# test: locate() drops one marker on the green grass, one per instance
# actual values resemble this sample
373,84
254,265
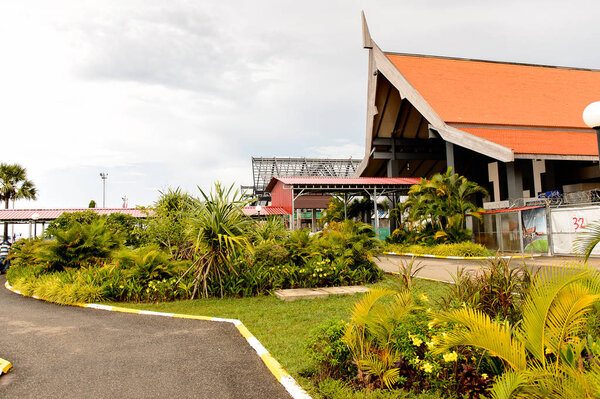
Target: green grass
282,327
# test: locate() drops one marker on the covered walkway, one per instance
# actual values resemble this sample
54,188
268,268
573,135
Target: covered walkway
313,193
35,217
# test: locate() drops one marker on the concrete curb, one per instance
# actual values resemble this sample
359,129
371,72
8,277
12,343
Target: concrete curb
273,365
460,257
5,365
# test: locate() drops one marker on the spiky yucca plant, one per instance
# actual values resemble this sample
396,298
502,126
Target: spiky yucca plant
219,231
542,353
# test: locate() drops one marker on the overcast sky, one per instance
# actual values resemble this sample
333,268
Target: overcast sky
166,93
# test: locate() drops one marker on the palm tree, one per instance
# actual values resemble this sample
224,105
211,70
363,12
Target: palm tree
14,185
219,231
443,202
542,354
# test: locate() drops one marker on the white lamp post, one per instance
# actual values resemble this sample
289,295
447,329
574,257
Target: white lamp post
591,117
258,209
35,218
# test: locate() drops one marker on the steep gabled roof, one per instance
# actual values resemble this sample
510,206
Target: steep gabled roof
498,93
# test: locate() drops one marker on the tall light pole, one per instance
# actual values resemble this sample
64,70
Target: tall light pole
104,176
591,117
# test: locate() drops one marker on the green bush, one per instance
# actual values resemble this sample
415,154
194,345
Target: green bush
336,389
328,351
79,245
465,248
145,263
497,290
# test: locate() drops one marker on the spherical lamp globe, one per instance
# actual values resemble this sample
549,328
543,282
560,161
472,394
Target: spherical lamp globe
591,115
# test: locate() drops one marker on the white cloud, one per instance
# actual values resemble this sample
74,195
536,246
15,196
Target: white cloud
180,93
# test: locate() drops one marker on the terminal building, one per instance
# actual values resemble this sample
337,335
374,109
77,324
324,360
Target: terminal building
515,129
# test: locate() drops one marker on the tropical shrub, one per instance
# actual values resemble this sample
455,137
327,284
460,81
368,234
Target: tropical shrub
219,228
543,354
437,208
145,263
80,245
270,230
497,290
465,248
24,252
167,223
330,354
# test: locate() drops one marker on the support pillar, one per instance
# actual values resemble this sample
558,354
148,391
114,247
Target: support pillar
515,181
292,215
29,229
392,215
539,167
450,156
314,220
376,212
494,178
299,219
345,207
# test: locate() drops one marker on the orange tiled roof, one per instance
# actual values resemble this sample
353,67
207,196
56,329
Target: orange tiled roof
485,92
540,141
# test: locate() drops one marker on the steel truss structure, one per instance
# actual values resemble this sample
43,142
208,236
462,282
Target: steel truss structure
264,169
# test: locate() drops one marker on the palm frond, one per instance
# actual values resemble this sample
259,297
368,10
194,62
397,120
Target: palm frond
480,331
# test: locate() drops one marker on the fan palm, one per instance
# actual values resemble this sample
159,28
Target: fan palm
14,185
218,229
542,353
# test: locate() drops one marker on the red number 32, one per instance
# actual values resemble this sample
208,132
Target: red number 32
578,223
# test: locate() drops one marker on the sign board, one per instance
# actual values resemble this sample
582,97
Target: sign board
568,223
549,194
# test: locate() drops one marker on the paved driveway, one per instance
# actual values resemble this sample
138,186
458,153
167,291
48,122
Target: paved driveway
444,269
70,352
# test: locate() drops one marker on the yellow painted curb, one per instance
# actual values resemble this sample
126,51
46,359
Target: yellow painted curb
458,257
5,365
273,365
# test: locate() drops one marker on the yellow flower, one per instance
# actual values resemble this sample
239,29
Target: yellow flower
314,275
417,360
427,367
450,357
430,344
417,341
484,376
423,297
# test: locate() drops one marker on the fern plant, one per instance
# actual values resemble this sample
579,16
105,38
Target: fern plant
542,353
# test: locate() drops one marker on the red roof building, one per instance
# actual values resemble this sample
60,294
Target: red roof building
516,129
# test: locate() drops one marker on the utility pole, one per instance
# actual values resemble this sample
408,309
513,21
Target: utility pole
104,176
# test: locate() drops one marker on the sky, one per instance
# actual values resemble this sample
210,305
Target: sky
173,93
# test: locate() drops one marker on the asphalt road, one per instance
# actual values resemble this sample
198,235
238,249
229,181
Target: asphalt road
69,352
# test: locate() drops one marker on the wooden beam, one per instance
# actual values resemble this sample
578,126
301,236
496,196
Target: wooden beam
408,155
387,141
366,36
382,113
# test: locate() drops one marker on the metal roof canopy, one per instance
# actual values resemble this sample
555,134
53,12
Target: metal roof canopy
352,186
264,169
355,186
22,216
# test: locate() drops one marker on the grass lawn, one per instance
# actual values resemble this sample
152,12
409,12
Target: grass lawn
282,327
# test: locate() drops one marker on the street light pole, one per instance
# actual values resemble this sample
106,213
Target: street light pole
591,117
104,176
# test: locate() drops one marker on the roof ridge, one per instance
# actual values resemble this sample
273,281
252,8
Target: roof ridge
493,61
